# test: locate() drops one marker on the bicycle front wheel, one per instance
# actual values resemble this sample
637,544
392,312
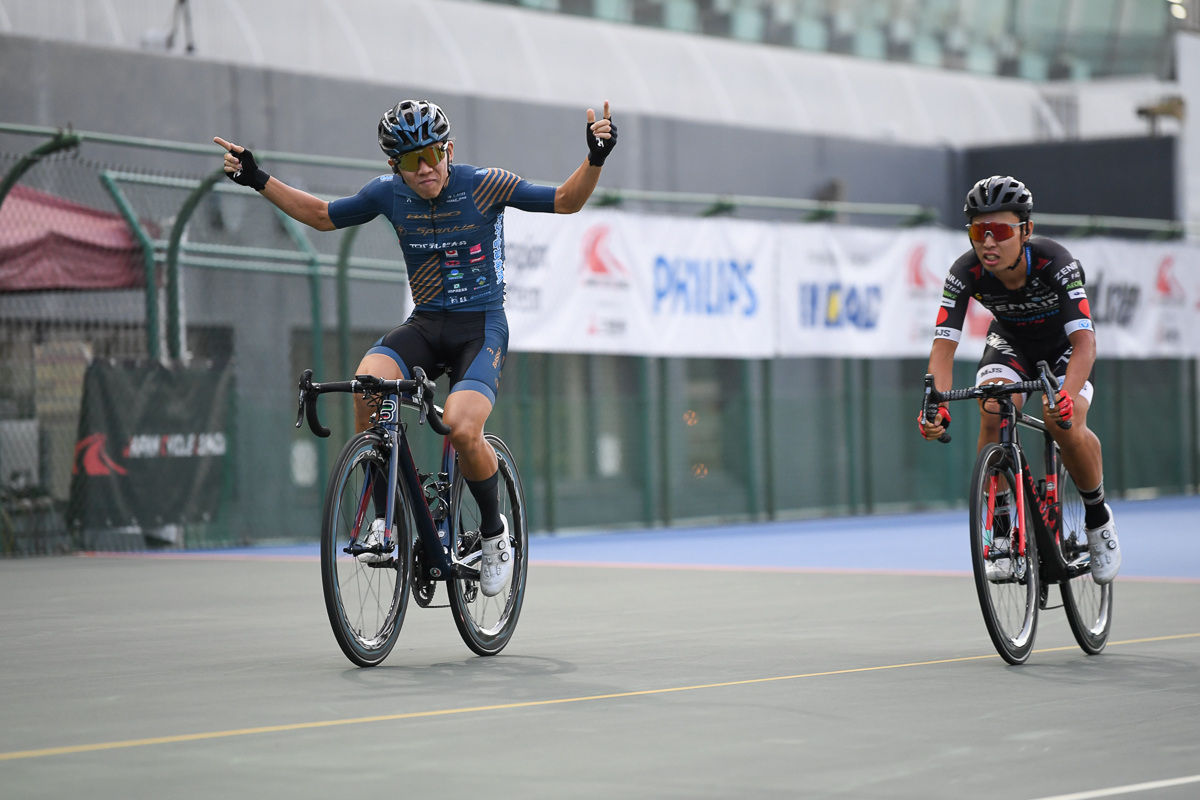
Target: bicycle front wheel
1009,604
1088,605
366,601
487,623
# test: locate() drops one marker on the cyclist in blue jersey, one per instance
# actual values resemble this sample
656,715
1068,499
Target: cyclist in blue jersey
1035,290
449,219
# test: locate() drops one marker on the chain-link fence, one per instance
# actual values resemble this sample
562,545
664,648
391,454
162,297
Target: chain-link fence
601,440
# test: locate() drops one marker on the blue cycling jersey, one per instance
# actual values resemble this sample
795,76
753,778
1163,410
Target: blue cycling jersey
453,245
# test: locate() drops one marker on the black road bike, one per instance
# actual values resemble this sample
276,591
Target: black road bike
433,517
1049,508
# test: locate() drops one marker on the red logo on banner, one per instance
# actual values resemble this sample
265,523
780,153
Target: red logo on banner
599,264
978,319
918,276
1167,285
95,460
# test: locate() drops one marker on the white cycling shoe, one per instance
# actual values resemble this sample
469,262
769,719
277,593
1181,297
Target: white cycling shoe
495,568
377,537
1001,569
1104,550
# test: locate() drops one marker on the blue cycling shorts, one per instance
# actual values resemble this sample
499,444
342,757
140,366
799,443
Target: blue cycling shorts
468,346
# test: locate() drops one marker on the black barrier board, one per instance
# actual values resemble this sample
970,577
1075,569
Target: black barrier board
152,446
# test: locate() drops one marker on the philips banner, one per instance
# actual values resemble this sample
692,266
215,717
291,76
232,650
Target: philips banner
151,446
610,282
614,282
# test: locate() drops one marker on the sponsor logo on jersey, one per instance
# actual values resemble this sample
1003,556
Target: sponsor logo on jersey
451,254
455,274
1077,294
949,302
952,280
478,260
1067,270
453,263
476,249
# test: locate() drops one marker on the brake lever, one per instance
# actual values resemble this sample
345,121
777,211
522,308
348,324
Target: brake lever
305,383
931,406
1049,386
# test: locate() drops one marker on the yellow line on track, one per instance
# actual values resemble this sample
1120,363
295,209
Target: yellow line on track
300,726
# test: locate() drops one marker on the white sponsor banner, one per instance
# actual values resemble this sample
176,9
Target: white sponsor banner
612,282
867,292
615,282
1142,296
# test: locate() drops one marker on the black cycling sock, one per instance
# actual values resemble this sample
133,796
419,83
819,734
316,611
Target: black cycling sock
1002,513
1094,512
379,492
488,499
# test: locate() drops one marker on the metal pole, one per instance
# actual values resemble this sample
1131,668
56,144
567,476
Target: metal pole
647,432
753,439
664,459
343,318
314,302
548,397
147,243
190,203
768,417
61,141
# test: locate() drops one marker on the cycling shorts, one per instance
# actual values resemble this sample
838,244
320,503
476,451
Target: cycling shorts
469,346
1004,357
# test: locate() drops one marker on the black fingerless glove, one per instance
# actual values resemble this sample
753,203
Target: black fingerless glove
250,174
598,149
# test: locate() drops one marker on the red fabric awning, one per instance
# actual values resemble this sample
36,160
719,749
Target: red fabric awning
47,242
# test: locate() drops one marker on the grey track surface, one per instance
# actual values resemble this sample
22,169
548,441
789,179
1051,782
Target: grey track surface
105,650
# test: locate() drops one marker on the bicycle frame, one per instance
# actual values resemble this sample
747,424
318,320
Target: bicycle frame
434,535
1047,522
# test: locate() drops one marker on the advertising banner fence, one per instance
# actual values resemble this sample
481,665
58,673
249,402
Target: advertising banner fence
618,283
151,448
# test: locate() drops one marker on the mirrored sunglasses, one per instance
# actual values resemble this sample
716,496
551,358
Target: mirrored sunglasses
431,155
1000,231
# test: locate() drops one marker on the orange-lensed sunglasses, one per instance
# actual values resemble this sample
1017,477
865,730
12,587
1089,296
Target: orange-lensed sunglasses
1000,231
431,155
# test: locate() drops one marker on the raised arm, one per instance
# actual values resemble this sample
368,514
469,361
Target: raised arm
601,139
299,205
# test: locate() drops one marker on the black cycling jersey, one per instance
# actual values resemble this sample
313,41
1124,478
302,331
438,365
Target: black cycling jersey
1040,315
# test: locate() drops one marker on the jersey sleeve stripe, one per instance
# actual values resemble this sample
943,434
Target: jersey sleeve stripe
491,178
496,191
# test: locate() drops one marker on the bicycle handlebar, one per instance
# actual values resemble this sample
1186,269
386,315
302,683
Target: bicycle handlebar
420,386
1046,382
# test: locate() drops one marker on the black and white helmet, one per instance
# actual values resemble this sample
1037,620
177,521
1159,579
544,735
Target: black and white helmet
999,193
411,125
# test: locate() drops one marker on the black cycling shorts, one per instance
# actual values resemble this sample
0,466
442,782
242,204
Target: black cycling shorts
1009,358
469,346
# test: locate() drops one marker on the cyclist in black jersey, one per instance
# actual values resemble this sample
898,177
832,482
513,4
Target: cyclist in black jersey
449,219
1035,291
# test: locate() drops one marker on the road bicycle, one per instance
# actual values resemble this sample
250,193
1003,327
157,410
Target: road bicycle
432,518
1050,508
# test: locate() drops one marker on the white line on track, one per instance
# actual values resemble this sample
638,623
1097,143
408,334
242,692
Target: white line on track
1130,789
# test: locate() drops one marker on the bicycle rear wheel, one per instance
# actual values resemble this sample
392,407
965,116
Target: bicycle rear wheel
366,601
487,623
1010,607
1088,605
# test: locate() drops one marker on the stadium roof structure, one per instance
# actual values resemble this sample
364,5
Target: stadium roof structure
506,52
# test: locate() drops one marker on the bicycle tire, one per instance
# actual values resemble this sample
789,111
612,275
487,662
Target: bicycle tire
1010,609
486,624
1087,604
366,603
